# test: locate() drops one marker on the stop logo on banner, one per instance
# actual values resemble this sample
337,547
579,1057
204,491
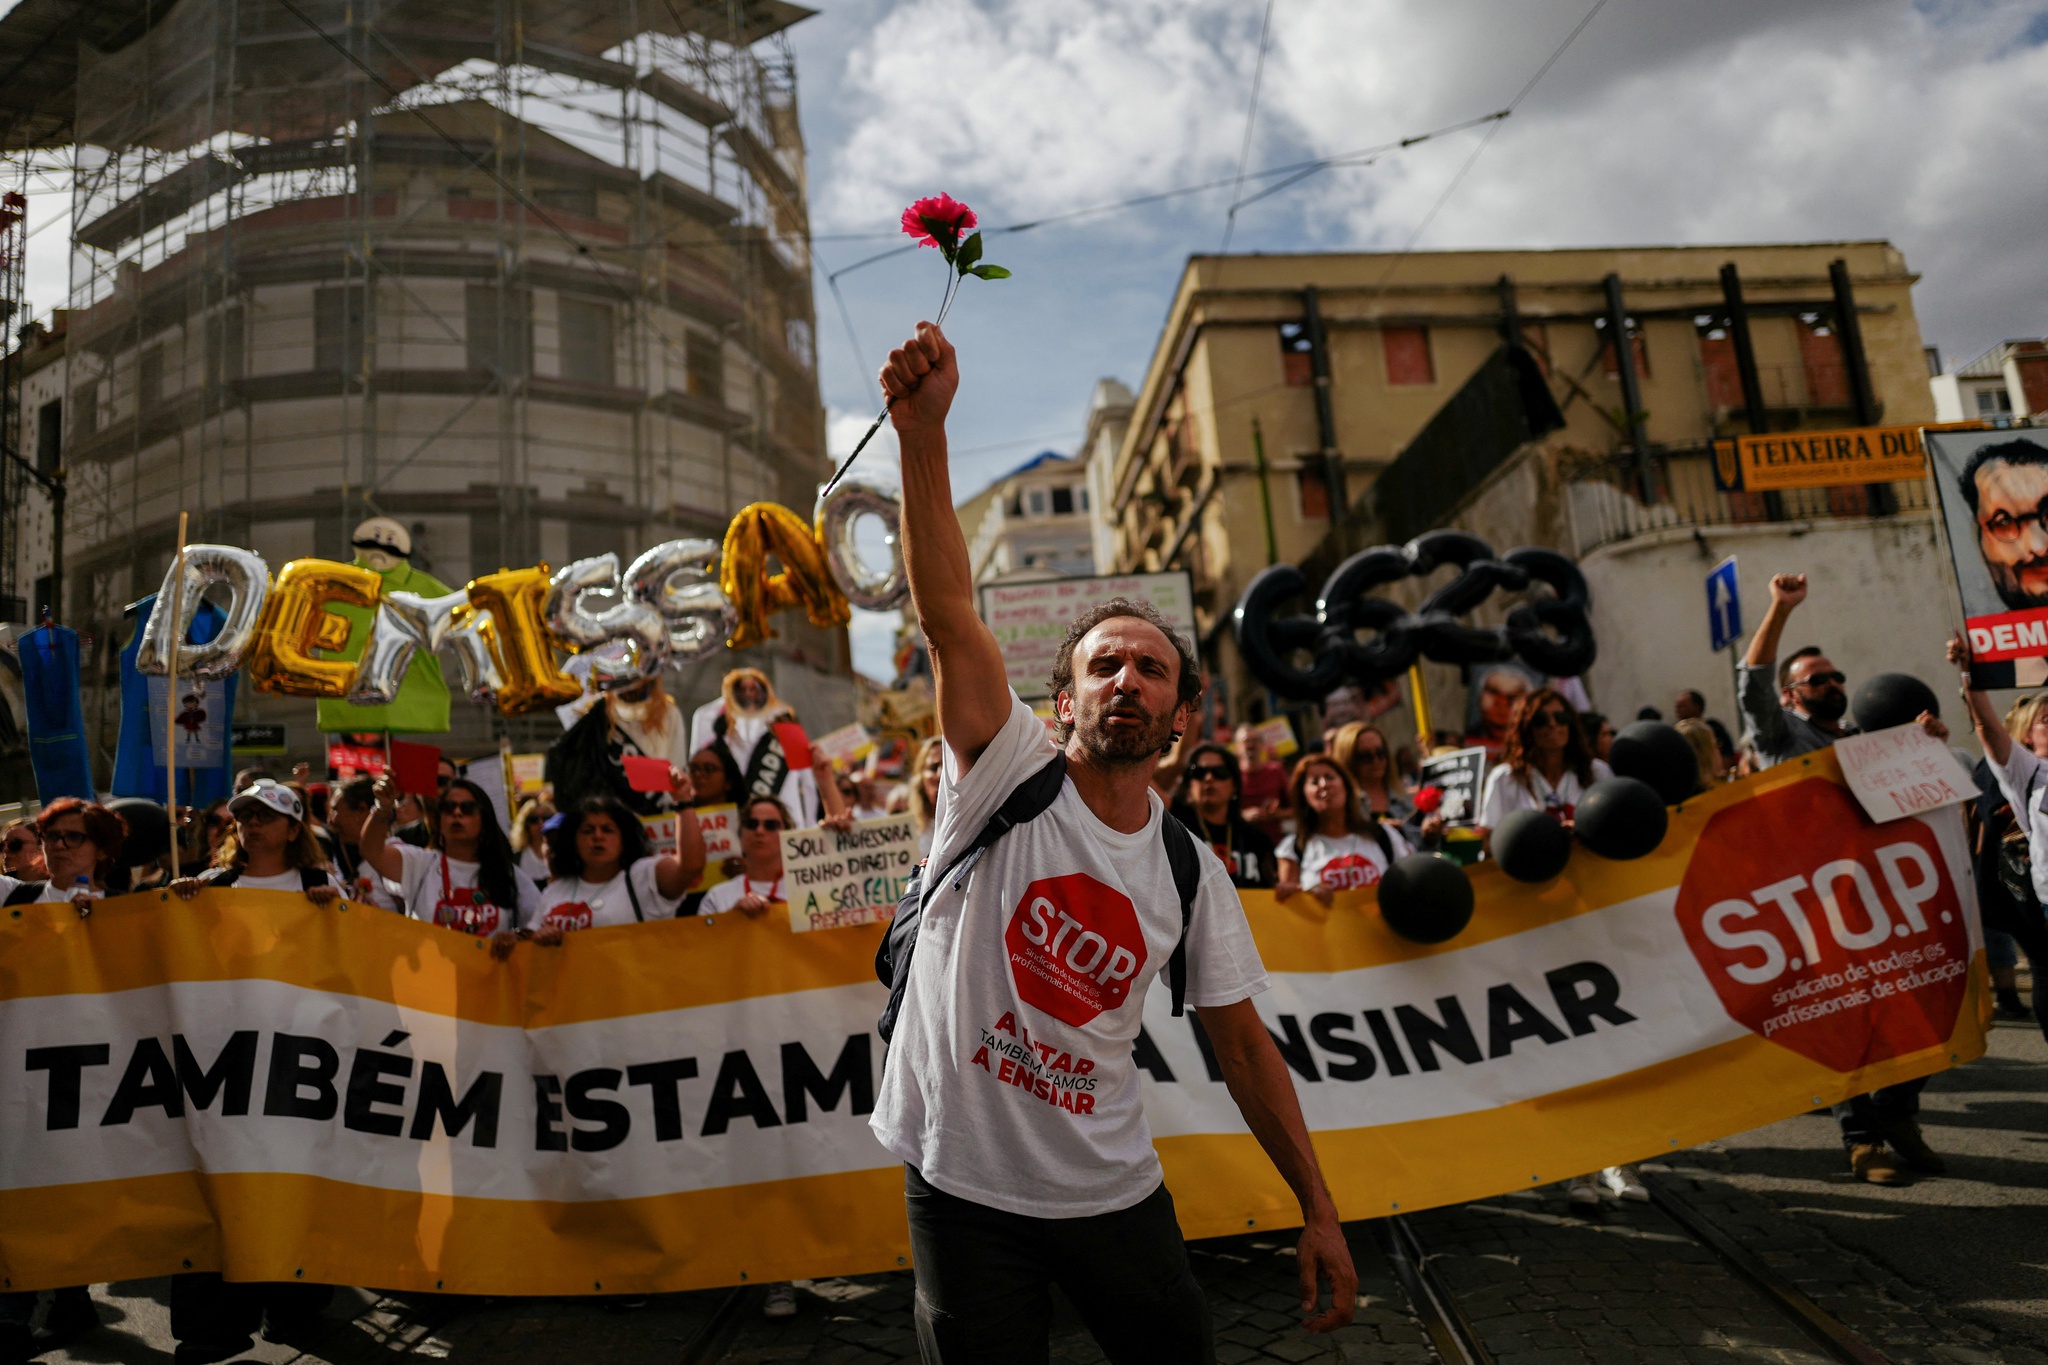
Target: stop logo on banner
1839,939
1074,946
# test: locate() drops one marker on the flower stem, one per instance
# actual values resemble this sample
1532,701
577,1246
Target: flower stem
945,307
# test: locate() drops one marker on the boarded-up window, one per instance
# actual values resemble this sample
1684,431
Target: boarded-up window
1820,355
499,329
50,436
1635,346
1407,350
338,329
1717,364
704,366
586,340
1296,361
1314,493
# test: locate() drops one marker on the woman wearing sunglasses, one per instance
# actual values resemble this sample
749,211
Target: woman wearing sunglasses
1335,845
1546,764
468,878
1363,751
21,852
1209,807
272,848
81,850
759,885
605,874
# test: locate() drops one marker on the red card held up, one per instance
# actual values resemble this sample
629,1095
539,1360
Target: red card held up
416,768
644,774
796,746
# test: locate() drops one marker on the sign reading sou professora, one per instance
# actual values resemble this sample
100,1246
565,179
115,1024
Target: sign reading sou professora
1030,619
835,878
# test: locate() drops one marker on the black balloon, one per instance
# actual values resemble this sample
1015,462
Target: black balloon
1268,643
1653,752
149,830
1621,818
1889,699
1531,846
1425,898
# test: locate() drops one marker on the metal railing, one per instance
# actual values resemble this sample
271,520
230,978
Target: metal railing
1605,507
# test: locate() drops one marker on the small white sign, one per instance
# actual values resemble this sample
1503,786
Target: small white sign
1030,619
833,879
1902,771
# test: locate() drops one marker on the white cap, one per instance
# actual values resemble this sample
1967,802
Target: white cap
382,533
270,794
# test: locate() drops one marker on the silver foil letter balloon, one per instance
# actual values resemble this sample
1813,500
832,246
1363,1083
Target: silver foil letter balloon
247,579
679,579
838,514
629,636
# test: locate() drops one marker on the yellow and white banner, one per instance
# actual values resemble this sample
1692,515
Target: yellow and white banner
250,1083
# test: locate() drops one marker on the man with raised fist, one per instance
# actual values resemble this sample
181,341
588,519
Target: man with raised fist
1010,1091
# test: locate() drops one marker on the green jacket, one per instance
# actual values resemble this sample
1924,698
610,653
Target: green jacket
422,705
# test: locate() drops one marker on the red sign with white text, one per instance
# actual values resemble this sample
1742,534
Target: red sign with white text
1839,939
1074,945
2009,635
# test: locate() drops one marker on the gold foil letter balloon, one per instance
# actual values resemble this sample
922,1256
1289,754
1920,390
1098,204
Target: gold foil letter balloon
296,621
525,655
758,531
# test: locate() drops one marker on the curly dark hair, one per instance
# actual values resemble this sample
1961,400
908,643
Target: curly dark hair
566,860
1578,753
107,830
1062,678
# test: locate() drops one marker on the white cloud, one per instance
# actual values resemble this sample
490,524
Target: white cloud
1667,122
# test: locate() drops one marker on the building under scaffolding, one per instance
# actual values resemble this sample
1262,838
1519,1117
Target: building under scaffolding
531,276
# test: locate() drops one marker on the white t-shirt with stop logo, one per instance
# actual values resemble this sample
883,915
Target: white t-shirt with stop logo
443,890
1009,1081
1344,863
578,904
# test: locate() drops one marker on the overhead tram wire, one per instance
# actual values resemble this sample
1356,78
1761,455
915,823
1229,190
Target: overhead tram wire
1451,188
1251,118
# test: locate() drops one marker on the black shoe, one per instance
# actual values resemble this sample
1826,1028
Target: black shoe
71,1316
2009,1007
207,1352
17,1344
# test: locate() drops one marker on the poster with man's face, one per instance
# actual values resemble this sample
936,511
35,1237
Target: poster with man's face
1993,489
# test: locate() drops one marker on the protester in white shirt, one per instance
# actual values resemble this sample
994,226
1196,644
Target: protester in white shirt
271,848
1546,765
468,878
1335,846
605,874
759,883
926,769
1010,1089
530,840
81,840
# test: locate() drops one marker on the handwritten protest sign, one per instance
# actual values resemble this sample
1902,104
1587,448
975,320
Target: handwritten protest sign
721,829
1902,771
846,746
832,879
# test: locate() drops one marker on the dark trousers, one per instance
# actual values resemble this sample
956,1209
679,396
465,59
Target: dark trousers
209,1311
17,1307
1865,1117
2030,931
984,1281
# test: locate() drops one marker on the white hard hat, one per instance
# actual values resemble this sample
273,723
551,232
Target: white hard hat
382,533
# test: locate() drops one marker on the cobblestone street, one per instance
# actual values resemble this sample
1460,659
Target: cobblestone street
1944,1271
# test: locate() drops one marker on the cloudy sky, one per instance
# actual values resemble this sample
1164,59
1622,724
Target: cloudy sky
1666,121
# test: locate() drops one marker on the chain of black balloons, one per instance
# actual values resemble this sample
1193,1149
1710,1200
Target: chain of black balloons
1551,634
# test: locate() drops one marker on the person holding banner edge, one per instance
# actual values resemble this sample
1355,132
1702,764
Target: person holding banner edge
1803,714
1018,1182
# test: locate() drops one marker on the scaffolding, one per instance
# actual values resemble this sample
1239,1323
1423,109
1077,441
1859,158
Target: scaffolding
532,276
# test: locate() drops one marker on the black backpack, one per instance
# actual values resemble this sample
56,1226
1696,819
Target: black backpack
1031,799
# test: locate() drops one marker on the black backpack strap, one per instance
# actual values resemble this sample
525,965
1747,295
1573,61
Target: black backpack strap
1186,861
1027,801
221,876
25,894
633,896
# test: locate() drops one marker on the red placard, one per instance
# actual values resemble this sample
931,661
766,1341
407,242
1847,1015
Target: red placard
644,774
348,760
416,767
2009,635
796,745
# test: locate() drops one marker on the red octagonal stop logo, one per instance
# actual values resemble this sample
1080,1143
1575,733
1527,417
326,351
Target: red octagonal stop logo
1074,946
1839,939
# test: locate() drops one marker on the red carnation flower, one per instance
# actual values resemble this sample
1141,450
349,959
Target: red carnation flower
1429,799
938,220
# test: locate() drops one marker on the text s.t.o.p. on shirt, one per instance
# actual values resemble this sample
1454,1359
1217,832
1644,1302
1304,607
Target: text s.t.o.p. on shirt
444,891
1009,1080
